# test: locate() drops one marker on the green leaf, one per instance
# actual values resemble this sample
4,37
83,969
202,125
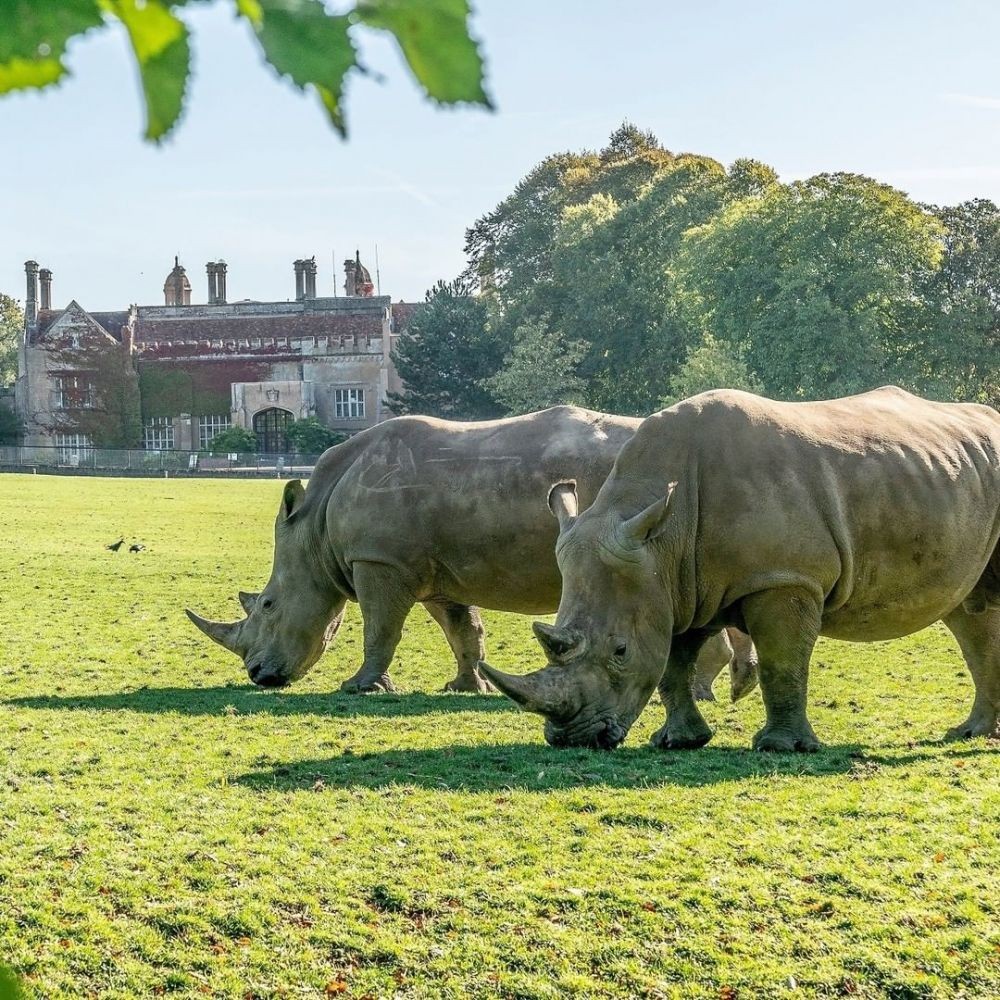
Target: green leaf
160,43
33,39
306,44
434,37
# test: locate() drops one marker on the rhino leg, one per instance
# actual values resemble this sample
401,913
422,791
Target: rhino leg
784,625
978,637
712,660
685,729
385,600
463,628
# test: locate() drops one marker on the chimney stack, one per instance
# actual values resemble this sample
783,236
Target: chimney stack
221,267
31,298
45,278
350,286
309,267
300,280
213,295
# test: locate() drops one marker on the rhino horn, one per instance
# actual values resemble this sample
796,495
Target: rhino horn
542,691
247,601
557,642
224,633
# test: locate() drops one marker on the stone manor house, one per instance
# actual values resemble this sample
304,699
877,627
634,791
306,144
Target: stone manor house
173,376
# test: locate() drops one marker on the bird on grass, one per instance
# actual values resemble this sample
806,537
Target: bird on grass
115,546
136,547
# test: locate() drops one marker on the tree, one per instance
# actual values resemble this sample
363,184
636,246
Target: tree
819,285
446,353
611,262
233,439
311,437
301,40
712,364
539,371
11,325
966,296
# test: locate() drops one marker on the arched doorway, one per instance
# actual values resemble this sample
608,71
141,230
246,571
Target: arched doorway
270,426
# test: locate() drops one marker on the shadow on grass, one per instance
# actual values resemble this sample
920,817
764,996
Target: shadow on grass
536,767
247,700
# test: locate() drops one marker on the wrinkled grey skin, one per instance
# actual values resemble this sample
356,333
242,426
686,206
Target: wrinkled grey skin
417,509
864,518
728,648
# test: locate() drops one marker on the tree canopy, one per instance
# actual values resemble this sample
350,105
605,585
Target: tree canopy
628,276
11,324
448,349
302,41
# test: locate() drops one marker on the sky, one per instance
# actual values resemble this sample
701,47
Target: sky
907,91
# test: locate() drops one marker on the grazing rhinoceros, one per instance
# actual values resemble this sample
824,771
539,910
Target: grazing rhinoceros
416,509
728,648
863,518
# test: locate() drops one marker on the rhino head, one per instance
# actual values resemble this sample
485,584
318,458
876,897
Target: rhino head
289,624
608,647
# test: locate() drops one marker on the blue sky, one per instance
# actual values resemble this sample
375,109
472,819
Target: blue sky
908,92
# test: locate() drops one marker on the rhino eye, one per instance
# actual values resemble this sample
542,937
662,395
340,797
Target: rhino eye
267,604
620,650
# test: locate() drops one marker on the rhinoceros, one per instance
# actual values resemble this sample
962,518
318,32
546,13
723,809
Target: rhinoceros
415,509
863,518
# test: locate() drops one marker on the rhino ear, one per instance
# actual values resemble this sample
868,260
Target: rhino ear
564,503
292,499
649,523
247,601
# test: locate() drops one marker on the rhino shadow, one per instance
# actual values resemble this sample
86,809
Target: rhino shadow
536,767
248,700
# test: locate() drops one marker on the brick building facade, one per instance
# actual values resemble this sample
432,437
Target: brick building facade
172,376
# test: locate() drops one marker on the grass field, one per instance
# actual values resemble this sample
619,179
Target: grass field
166,829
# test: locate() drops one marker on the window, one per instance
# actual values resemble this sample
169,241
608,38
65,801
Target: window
72,447
74,392
349,404
208,427
158,434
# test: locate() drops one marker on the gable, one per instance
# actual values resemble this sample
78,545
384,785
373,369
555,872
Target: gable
74,327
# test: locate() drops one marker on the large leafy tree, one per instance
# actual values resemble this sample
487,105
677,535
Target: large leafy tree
302,40
11,325
966,295
819,285
539,371
448,350
611,261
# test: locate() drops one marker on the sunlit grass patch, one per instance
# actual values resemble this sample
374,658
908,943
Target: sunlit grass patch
168,829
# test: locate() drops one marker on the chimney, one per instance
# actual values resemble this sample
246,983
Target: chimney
310,271
213,295
221,267
300,282
350,286
31,298
45,278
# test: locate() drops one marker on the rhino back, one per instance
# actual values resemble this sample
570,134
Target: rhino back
460,508
885,504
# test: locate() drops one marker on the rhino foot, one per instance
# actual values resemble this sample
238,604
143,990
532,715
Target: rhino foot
975,725
367,684
669,737
471,683
786,741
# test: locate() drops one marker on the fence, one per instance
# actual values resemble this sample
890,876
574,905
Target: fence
128,462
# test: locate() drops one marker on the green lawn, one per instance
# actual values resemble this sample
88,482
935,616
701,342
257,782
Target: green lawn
167,829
